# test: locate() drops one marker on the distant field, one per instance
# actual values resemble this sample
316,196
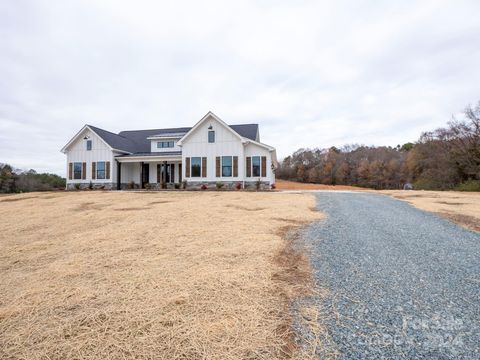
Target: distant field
149,275
460,207
292,185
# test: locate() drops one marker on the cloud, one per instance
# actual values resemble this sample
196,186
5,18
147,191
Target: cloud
311,73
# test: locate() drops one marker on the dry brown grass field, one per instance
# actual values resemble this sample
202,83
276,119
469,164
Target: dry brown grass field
197,275
460,207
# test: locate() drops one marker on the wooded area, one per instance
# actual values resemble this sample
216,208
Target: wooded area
442,159
12,180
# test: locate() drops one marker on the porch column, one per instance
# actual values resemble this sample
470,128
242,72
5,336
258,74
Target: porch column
165,172
141,175
119,175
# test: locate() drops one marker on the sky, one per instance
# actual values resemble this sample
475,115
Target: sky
310,73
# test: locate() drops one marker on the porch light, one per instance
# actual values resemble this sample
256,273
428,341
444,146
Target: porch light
210,127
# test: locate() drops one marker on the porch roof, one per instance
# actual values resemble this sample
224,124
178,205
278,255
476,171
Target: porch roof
151,156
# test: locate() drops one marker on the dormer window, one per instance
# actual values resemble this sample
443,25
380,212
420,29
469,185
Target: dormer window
165,144
89,145
211,136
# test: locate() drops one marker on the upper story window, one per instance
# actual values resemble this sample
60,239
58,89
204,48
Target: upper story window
89,145
165,144
211,136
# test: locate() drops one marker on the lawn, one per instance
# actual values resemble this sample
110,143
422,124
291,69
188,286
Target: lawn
150,275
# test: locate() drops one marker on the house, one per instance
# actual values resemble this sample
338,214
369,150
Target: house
209,152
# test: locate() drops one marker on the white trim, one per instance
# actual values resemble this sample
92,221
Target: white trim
274,159
64,149
265,146
161,137
122,151
149,158
205,118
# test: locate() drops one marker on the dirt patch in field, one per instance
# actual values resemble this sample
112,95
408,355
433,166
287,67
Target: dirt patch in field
133,208
17,198
462,208
293,185
159,202
294,270
192,280
469,222
450,203
282,231
240,207
87,206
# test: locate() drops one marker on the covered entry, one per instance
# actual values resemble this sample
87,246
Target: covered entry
169,173
148,171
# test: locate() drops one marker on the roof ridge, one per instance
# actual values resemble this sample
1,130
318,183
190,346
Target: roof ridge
110,132
180,127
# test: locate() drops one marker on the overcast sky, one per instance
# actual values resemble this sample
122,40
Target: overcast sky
311,73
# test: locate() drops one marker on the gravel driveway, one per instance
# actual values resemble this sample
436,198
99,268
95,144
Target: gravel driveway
402,282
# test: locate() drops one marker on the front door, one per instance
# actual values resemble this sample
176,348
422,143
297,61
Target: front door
145,174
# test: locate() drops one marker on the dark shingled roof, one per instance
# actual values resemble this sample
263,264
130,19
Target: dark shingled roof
116,141
139,137
135,141
248,131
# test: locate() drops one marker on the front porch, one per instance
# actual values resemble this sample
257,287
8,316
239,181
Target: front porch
152,172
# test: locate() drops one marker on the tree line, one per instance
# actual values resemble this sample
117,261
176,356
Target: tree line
12,180
443,159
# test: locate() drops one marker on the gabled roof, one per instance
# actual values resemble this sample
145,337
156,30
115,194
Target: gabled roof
248,131
116,141
136,141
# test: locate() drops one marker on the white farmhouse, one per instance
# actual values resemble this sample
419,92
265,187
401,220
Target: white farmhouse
207,153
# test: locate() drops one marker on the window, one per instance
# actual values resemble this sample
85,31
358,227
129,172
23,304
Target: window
100,169
89,144
165,144
196,166
255,165
77,171
211,136
226,166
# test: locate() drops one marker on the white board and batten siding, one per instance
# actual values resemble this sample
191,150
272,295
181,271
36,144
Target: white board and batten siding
251,150
131,172
77,152
227,143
